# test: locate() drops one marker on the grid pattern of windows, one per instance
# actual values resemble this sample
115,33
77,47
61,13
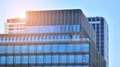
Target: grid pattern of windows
45,48
55,54
41,38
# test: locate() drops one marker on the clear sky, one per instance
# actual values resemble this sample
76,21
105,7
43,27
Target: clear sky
110,9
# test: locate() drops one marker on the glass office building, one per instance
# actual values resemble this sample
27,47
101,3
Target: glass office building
53,38
100,26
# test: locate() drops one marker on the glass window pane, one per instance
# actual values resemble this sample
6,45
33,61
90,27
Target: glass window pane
47,48
32,59
24,49
17,49
78,58
32,48
17,59
55,58
9,49
85,58
63,59
71,58
47,59
70,48
54,48
85,47
3,59
39,59
62,48
9,59
25,59
39,48
77,48
2,49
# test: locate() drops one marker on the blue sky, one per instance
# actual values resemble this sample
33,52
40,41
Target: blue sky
106,8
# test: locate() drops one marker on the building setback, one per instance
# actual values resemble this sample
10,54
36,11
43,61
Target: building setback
53,38
100,26
15,25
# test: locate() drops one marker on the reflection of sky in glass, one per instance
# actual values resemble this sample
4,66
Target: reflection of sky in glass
107,8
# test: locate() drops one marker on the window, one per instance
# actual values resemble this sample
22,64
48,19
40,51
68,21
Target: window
9,59
55,58
85,47
77,48
24,49
78,28
9,49
2,49
70,48
40,59
2,59
39,48
32,48
78,58
47,48
62,47
85,58
54,48
71,59
17,49
25,59
32,59
47,59
63,59
17,59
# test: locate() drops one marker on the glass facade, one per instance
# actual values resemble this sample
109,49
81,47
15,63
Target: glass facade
101,28
60,38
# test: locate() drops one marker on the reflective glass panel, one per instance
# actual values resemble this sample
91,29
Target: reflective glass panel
9,59
17,59
47,59
25,59
40,59
55,58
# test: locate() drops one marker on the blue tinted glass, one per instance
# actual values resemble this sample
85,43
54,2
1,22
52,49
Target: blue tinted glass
63,59
47,48
32,59
59,37
25,59
70,48
24,49
74,28
9,59
71,58
70,28
85,47
2,59
66,28
77,48
39,48
62,48
32,48
17,59
47,59
40,59
85,58
17,49
66,37
78,28
55,58
9,49
54,48
2,49
78,58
